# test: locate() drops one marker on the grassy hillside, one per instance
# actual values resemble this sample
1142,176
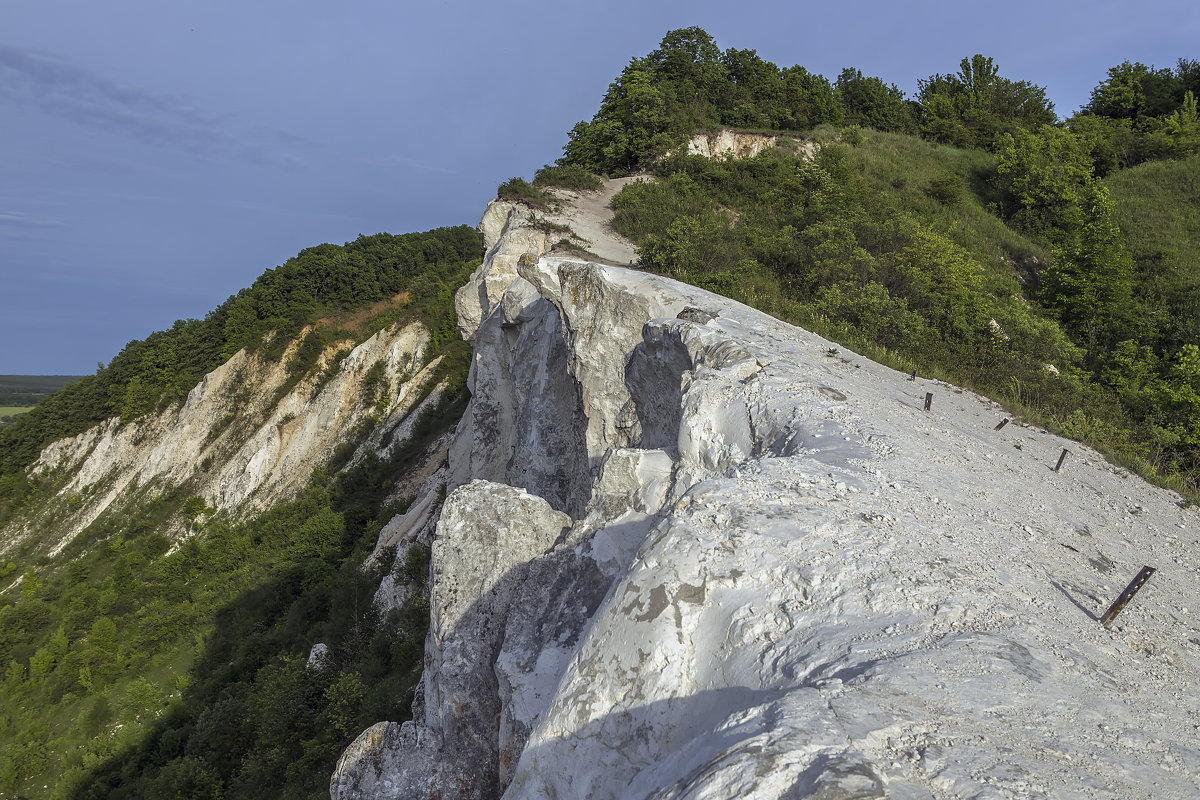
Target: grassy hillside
134,666
1005,263
902,248
1158,209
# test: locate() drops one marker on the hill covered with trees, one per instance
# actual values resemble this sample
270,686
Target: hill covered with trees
138,665
321,281
966,232
1137,113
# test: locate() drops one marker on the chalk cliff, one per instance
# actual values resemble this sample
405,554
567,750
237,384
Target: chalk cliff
736,144
689,551
247,436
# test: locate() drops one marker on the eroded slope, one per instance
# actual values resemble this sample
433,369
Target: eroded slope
735,561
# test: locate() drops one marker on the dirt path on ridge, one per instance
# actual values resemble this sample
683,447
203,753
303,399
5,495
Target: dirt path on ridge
590,216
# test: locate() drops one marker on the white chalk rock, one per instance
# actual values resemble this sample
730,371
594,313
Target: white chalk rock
784,578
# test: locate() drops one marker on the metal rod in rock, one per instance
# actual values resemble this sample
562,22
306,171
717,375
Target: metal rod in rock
1003,422
1123,599
928,400
1061,459
913,377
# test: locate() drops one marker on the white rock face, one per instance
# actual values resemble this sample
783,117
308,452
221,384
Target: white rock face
507,236
726,143
242,444
318,656
487,536
716,557
729,143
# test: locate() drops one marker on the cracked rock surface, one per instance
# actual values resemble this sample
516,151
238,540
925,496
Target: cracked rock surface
698,553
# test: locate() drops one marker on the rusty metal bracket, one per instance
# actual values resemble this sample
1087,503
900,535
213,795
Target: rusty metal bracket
1123,599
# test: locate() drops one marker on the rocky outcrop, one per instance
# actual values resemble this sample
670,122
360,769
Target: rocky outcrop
488,536
695,552
242,440
727,143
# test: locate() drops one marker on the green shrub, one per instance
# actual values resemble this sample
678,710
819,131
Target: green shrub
519,190
947,189
571,176
852,135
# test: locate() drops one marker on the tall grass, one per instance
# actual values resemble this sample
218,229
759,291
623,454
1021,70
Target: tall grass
824,246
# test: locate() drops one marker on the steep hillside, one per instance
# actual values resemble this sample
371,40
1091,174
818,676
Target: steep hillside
174,563
246,437
697,552
1158,208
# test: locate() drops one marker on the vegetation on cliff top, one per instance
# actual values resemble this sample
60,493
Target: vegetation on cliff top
688,84
1007,261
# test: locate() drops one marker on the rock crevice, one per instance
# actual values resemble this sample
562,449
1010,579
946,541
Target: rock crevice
695,552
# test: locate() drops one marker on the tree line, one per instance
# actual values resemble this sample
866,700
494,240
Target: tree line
1137,113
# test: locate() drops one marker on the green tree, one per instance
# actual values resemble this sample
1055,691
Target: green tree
1111,144
809,100
1134,91
343,697
45,658
1044,173
632,125
186,778
1183,127
974,107
1176,397
942,283
1090,277
871,103
689,62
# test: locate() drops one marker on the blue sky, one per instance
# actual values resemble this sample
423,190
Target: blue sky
159,156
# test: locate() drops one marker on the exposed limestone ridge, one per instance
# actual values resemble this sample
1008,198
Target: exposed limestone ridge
241,444
726,143
714,556
488,535
508,235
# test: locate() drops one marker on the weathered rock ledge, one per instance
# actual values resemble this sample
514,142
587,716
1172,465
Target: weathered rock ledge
244,438
694,552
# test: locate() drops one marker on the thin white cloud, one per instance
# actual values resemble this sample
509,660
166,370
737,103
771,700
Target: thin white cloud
23,220
55,86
